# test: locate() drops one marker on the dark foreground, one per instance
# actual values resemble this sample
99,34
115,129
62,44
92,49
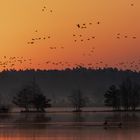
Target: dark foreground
70,126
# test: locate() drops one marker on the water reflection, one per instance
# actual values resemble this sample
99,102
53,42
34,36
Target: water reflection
70,134
4,118
130,119
37,126
124,117
78,117
47,118
32,120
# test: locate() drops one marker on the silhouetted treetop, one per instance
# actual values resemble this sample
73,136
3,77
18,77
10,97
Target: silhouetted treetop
31,96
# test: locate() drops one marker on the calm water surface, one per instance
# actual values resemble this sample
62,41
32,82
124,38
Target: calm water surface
69,126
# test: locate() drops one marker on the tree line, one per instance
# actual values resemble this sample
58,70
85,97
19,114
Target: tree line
31,98
125,96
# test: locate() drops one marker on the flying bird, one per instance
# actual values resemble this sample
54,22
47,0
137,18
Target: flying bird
78,25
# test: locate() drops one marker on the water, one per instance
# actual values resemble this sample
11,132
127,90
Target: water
70,134
69,126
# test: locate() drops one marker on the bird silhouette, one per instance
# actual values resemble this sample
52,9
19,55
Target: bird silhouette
78,25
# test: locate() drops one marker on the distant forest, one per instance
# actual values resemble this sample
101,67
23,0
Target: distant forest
57,85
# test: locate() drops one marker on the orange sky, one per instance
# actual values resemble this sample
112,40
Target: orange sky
19,20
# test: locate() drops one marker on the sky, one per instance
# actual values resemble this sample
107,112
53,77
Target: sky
56,34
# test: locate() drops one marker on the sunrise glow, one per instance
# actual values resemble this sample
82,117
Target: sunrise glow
52,34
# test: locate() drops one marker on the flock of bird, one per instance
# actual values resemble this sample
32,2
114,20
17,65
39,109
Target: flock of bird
130,65
44,9
36,39
85,25
81,38
119,36
90,52
11,62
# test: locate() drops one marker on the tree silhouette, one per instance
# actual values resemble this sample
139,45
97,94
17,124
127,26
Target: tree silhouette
126,89
78,100
24,98
40,102
127,96
135,99
112,98
31,96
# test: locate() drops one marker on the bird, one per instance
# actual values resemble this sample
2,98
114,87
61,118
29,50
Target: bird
32,42
78,25
83,27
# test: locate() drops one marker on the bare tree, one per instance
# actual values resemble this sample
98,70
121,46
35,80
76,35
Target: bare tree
112,98
135,99
78,100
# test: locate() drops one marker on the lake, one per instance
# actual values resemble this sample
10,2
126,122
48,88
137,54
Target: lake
70,126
